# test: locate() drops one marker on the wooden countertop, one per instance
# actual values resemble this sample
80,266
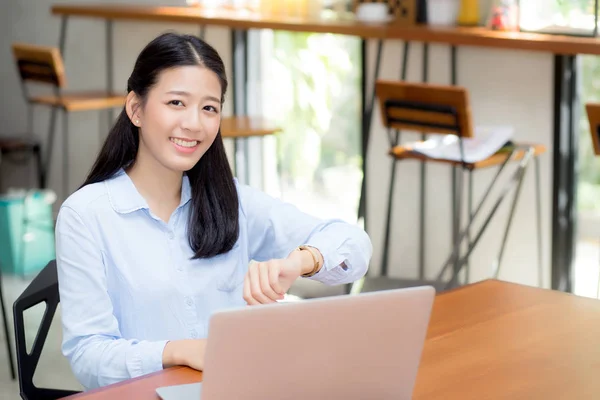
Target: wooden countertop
459,36
244,126
497,340
490,340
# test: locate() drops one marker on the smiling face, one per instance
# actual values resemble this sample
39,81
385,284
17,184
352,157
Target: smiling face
180,118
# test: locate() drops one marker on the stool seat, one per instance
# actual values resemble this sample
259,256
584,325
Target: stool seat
244,126
9,144
82,101
406,152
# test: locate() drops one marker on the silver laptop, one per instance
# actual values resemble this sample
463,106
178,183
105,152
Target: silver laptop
365,346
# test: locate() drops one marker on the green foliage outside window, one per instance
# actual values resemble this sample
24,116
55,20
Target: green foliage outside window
316,100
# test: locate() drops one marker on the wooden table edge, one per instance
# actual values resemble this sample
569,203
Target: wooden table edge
495,281
128,382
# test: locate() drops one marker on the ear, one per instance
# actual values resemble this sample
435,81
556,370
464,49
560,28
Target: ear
133,106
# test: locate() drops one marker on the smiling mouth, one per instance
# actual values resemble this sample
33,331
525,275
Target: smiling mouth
184,143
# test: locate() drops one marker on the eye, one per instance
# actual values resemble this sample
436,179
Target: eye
211,109
177,103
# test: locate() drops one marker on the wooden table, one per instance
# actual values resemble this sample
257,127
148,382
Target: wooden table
245,127
489,340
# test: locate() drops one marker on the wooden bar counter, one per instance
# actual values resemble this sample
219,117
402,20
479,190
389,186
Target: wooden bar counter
458,36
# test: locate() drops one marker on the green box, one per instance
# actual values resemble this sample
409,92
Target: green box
26,232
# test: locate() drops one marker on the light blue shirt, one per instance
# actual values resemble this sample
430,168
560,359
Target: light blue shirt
128,284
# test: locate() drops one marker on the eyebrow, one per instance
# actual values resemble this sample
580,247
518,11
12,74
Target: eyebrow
184,93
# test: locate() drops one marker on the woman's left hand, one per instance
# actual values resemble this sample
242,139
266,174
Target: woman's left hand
267,282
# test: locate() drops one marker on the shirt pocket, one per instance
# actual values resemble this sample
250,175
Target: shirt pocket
232,270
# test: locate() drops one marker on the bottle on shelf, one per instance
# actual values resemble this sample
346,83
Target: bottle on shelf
291,8
469,13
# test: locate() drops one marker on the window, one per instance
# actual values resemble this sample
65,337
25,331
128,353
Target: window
577,17
558,16
311,88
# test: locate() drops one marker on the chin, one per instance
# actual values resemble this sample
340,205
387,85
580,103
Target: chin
181,165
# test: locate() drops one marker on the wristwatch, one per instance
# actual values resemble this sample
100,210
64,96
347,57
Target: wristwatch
315,257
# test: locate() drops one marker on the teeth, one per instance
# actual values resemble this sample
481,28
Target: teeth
184,143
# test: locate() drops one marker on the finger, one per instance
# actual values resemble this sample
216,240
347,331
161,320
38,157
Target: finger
274,281
265,284
247,292
255,289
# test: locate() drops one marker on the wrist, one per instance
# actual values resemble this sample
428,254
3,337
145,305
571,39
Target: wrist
171,354
175,353
309,258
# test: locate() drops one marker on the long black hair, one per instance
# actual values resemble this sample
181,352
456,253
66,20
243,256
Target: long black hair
213,225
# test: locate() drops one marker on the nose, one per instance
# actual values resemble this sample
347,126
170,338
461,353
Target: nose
191,120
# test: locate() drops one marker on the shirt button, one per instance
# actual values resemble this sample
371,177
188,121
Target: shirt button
189,301
194,333
171,235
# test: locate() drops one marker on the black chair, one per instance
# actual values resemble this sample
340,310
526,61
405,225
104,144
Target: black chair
5,321
43,289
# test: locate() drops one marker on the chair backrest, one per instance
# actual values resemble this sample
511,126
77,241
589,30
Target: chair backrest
39,64
43,289
593,112
427,108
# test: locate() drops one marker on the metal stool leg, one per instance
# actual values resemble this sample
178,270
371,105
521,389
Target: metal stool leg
538,201
388,222
47,160
8,344
457,189
470,205
516,180
394,140
65,166
508,225
39,167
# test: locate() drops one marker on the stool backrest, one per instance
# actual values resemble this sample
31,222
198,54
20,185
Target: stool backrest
593,112
427,108
39,64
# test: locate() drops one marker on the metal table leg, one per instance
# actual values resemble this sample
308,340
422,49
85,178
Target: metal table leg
564,187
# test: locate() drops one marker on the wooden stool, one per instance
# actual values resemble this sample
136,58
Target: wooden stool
445,110
244,127
593,113
44,65
12,146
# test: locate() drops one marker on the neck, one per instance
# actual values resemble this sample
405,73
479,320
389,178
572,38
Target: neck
157,184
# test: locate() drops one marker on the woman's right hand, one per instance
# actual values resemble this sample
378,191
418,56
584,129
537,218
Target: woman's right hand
188,352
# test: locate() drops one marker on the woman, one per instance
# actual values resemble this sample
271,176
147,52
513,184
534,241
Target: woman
160,235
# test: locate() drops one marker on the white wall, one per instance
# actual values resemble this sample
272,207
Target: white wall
505,87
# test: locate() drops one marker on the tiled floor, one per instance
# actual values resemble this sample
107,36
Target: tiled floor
54,371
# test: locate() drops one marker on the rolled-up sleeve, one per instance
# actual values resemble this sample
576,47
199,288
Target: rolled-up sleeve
92,341
276,228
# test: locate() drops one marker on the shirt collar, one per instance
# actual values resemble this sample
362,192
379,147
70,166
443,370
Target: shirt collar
125,198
